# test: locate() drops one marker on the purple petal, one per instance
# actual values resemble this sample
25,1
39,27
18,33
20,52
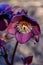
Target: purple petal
11,28
4,7
36,30
23,38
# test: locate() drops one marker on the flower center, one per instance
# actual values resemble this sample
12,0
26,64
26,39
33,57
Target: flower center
24,27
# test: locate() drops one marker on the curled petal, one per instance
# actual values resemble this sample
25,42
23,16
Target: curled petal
36,38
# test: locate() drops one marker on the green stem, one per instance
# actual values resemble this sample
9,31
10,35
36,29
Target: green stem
13,56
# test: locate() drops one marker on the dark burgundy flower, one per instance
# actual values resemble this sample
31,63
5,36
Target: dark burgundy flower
27,60
5,15
24,27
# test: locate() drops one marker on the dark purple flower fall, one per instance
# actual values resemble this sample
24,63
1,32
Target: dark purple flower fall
24,28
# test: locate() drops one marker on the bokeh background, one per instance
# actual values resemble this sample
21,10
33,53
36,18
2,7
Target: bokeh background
35,9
